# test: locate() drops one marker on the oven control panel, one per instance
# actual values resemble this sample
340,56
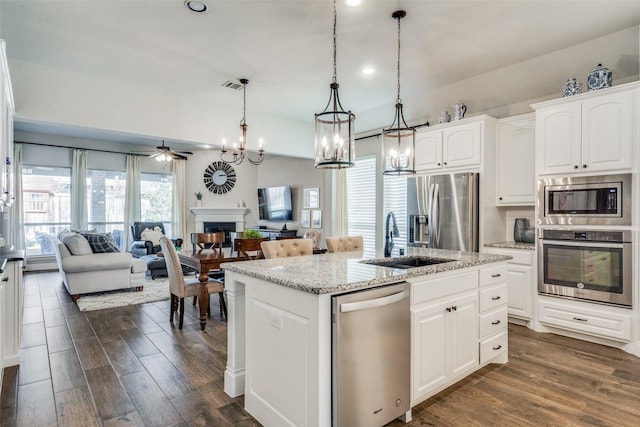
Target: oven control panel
588,235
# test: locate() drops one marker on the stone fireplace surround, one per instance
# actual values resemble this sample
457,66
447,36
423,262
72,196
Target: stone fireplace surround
220,218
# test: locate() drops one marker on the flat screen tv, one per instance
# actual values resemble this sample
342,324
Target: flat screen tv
274,203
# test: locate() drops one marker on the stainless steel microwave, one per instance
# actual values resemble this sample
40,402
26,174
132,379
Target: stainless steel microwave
585,200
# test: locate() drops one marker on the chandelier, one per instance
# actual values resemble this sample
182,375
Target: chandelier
334,133
399,140
239,154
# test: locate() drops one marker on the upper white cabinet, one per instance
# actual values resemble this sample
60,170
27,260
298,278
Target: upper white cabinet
516,185
7,109
591,133
456,145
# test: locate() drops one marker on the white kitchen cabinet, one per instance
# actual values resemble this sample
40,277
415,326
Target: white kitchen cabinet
592,132
516,184
521,281
444,342
12,312
492,309
7,108
454,145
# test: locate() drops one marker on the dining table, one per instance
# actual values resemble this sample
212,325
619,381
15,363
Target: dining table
204,261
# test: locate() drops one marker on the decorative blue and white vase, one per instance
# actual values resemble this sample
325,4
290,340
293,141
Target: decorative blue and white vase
571,87
599,78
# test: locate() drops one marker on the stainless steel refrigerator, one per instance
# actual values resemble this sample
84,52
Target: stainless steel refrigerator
443,211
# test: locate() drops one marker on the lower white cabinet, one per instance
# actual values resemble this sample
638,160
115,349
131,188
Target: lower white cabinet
602,321
458,324
12,301
444,342
521,281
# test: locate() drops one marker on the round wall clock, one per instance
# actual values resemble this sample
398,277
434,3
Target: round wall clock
219,177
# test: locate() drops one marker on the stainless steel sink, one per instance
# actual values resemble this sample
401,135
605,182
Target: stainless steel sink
409,262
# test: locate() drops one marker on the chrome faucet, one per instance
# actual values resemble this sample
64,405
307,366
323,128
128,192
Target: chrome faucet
390,234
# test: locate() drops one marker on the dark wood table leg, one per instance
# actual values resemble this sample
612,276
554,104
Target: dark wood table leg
203,299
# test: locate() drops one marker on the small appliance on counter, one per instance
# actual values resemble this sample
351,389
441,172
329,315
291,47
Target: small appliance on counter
522,232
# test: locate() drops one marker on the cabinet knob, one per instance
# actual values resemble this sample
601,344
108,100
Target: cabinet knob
454,308
439,164
449,309
584,166
499,198
445,163
575,166
5,279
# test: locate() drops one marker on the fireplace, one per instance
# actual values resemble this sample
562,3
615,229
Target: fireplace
227,227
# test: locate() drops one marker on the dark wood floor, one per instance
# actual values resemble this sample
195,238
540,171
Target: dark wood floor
130,366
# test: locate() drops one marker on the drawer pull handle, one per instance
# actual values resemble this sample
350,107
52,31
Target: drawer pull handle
495,298
497,322
449,309
496,275
498,347
454,308
5,279
580,319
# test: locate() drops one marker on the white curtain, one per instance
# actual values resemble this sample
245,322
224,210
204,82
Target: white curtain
16,213
179,205
132,210
341,220
79,209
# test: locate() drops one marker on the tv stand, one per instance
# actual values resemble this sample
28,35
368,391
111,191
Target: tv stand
273,233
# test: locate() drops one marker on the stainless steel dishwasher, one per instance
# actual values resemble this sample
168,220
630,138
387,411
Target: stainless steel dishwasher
371,336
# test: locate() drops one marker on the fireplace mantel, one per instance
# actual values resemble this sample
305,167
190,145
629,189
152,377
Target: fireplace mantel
218,215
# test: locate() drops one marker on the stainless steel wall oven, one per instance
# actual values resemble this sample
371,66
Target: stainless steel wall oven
585,200
593,265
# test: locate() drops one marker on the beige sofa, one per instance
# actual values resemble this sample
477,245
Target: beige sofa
96,272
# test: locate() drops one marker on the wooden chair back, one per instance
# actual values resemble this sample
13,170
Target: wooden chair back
213,241
249,248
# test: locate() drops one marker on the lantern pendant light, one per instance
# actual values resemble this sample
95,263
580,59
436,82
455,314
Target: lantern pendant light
334,133
399,140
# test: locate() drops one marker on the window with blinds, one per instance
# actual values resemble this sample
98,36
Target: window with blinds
361,211
395,200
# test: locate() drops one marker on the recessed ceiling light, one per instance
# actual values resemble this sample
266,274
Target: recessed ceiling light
367,71
197,6
354,3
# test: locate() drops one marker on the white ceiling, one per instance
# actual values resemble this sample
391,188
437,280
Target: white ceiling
284,48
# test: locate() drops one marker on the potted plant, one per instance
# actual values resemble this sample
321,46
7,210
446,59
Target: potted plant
250,242
198,199
250,233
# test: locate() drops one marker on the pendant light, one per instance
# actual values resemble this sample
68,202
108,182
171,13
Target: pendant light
335,140
238,155
399,140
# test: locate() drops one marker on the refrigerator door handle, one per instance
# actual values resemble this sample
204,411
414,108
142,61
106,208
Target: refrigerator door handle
436,215
432,232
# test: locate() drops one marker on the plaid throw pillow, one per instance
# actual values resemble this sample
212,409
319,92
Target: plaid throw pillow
101,243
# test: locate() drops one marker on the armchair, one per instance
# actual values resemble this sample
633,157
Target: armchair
140,246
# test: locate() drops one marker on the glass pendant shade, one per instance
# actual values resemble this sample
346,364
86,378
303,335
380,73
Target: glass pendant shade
335,139
334,132
399,140
398,146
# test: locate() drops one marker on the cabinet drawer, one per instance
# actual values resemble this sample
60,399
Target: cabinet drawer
492,297
607,322
428,290
489,276
493,347
493,322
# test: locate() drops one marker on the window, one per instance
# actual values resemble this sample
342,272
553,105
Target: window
46,204
361,193
395,200
155,198
105,201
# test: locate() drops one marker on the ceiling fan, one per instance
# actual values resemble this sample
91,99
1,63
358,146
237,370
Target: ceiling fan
164,153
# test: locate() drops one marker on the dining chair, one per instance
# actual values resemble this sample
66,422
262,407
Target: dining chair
181,287
213,241
315,236
249,248
287,248
344,244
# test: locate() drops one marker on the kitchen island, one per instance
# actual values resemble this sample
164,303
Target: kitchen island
279,326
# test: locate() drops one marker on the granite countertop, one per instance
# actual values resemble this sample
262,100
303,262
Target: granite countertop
339,272
512,245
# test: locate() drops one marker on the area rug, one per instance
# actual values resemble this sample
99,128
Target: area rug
154,290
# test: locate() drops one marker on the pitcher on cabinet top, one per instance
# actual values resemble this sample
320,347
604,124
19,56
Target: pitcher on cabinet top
459,111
